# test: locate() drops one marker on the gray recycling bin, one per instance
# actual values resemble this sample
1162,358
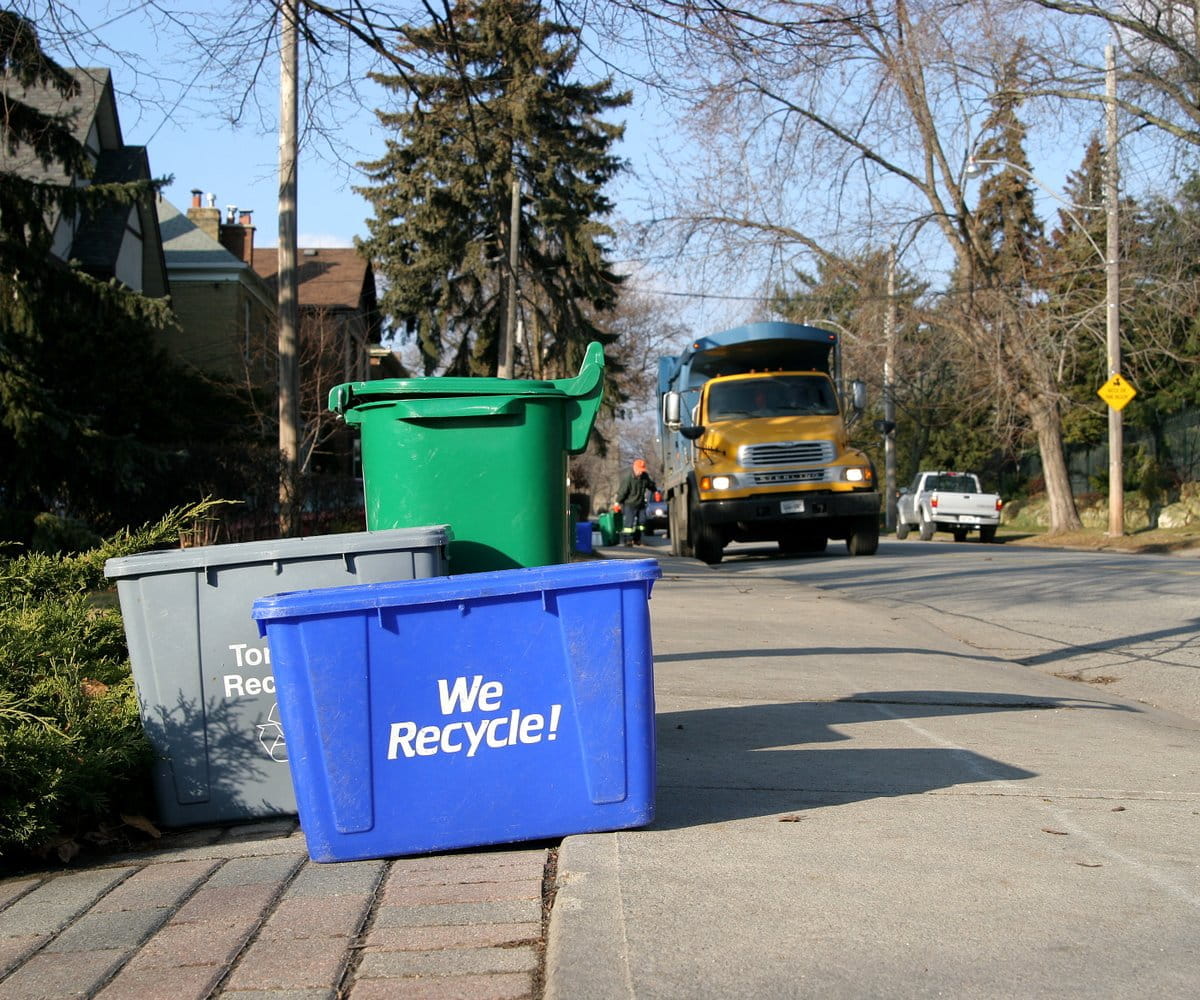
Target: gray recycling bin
203,674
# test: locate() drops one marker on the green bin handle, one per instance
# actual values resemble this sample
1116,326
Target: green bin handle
445,407
584,392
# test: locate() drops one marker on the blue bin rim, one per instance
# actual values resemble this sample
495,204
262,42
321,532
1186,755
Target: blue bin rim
447,589
201,557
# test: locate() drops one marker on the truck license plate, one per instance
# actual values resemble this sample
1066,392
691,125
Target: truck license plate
791,507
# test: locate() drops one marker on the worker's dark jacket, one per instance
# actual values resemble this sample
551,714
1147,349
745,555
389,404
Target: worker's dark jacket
635,491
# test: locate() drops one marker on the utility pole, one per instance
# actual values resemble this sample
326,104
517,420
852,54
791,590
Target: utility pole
507,344
289,337
1116,444
889,395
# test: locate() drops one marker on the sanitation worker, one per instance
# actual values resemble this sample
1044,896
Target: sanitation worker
636,486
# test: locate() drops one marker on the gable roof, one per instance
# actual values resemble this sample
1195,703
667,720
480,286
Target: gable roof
94,105
98,241
329,277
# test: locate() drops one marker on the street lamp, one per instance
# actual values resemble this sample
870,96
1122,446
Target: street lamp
888,425
838,377
1116,459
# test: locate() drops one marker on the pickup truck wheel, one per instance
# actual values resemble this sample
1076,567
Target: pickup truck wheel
927,528
987,533
960,534
901,530
864,537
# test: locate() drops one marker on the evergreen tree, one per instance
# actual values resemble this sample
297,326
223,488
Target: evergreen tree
1001,292
94,422
939,423
493,102
1076,304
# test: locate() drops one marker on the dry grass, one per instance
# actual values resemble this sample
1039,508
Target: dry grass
1159,541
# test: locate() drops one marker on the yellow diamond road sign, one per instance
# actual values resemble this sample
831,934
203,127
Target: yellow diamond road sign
1116,392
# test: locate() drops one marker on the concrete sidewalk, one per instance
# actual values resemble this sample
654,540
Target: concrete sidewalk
852,804
849,805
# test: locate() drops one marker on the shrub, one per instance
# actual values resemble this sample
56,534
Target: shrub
73,757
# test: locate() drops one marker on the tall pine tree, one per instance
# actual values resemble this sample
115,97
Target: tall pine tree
1076,304
492,102
1002,292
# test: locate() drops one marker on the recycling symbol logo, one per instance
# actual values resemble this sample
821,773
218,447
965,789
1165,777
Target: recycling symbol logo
270,735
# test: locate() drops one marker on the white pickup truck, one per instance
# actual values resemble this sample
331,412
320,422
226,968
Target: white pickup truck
947,501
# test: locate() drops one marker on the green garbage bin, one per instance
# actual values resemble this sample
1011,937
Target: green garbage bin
611,524
488,455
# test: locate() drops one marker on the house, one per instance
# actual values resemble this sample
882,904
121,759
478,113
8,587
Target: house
340,330
225,310
338,307
121,242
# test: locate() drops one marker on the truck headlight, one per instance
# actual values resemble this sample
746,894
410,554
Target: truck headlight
857,474
722,482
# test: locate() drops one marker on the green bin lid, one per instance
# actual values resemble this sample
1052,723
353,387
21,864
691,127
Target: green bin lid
349,395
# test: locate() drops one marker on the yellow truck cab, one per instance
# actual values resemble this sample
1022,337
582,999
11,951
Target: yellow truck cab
755,445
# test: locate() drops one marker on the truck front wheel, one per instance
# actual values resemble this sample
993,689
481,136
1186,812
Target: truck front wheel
705,539
864,537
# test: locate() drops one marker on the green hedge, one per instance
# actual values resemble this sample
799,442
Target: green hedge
73,757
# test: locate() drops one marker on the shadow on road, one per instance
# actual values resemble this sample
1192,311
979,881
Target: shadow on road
740,762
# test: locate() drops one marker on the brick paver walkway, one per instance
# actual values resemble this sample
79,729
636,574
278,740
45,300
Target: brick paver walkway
241,913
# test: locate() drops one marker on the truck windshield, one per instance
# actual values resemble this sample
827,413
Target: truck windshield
776,396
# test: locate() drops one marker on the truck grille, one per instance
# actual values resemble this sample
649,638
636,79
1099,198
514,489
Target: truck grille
789,477
786,453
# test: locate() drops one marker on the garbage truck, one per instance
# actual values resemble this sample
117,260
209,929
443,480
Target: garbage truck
755,444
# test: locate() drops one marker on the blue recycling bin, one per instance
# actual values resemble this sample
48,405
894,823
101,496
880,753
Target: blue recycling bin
583,537
462,711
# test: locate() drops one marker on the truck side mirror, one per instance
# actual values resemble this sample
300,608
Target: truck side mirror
858,401
670,411
692,431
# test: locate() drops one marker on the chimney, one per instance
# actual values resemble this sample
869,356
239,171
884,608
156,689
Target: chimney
238,237
208,218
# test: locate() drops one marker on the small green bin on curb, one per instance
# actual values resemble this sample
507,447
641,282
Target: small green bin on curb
487,456
610,527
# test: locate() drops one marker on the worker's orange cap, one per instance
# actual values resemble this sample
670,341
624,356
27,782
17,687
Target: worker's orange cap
639,465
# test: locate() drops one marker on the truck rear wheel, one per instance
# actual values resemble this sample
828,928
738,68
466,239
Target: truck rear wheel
901,530
927,529
987,533
864,537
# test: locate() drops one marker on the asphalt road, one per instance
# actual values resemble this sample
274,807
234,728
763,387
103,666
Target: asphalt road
1128,623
